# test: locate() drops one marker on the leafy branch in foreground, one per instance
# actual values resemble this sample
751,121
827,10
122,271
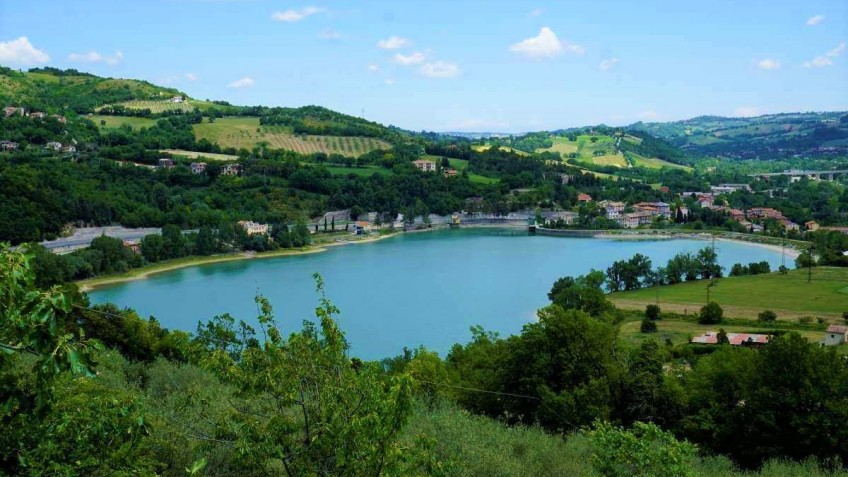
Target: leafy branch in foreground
306,408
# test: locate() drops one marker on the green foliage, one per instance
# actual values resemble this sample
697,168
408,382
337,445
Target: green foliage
788,399
585,293
710,314
648,326
652,312
644,451
317,412
767,316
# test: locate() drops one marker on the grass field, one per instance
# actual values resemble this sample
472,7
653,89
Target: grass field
790,296
680,331
113,122
247,133
461,165
194,155
486,147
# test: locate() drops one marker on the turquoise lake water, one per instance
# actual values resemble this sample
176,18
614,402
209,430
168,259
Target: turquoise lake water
408,290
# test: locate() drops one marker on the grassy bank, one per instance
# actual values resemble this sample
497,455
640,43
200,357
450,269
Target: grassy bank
789,295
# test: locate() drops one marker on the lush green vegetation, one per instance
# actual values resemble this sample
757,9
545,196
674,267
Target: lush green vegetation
230,400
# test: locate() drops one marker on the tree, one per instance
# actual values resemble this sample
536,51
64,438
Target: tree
173,242
652,312
710,314
152,247
767,316
584,293
648,326
317,412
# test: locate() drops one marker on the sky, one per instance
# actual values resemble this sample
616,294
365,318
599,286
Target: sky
457,65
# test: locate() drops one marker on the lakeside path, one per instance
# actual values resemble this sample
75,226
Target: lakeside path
146,271
789,249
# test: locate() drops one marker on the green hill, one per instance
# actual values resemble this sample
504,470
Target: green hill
59,91
763,137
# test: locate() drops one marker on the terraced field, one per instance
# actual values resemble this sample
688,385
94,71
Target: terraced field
247,133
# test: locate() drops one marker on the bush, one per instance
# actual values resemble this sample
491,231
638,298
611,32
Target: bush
767,316
845,317
644,450
710,314
648,326
806,320
652,312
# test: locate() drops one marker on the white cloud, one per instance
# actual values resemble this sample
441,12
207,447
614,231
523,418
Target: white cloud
330,34
826,59
393,43
649,115
536,12
609,64
408,60
191,76
245,82
544,45
373,68
296,15
768,64
439,69
21,52
815,20
389,81
747,111
95,57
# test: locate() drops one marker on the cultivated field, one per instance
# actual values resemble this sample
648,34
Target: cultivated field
195,155
158,106
486,147
789,296
603,152
247,133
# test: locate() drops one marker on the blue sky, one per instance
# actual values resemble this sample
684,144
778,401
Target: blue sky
458,65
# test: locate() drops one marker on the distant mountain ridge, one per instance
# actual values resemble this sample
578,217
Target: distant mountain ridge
771,136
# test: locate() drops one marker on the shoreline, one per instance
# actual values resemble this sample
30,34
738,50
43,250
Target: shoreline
142,273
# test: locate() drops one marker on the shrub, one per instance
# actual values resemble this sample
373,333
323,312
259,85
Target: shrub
710,314
845,317
767,316
648,326
644,450
652,312
805,320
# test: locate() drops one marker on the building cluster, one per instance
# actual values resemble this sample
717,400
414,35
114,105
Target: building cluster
6,145
644,213
734,339
425,165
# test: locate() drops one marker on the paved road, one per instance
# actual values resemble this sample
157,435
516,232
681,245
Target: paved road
82,237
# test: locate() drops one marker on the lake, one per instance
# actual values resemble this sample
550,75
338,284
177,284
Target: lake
408,290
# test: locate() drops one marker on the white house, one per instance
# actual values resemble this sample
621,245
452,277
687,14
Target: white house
424,165
835,335
253,228
56,146
198,167
231,169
